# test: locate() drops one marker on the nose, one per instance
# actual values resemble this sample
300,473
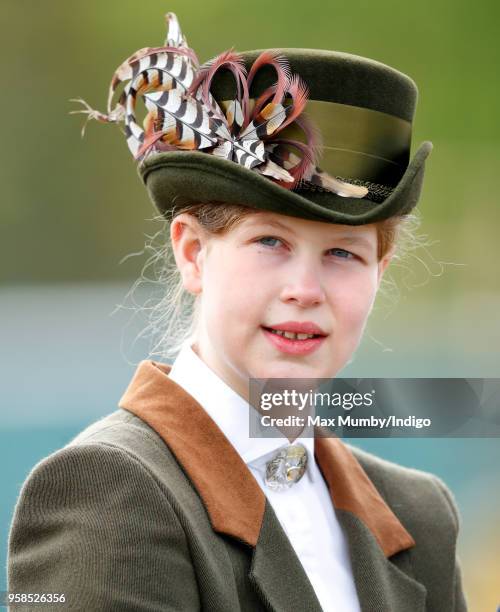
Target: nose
304,288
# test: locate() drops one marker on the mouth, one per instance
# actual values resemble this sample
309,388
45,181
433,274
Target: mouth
292,335
294,342
296,329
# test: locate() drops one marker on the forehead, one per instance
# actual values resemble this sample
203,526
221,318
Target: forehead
305,227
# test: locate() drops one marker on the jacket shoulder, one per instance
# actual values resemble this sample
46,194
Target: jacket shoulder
115,428
420,499
125,431
87,524
427,508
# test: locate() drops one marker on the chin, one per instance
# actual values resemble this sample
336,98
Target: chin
292,370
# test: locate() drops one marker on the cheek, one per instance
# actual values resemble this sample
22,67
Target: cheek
353,300
230,290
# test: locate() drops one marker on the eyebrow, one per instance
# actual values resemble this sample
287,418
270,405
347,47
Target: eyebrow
347,237
355,240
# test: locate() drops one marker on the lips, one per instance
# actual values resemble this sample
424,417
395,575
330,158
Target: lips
295,345
298,327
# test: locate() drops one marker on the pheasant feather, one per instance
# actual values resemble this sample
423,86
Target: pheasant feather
183,115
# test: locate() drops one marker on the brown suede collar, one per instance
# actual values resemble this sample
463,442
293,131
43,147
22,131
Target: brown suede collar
233,499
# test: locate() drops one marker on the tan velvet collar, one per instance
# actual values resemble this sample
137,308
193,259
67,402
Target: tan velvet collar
233,499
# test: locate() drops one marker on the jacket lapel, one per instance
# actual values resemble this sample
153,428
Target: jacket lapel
276,572
380,583
236,505
378,542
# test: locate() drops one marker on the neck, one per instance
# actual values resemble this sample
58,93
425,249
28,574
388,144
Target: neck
236,381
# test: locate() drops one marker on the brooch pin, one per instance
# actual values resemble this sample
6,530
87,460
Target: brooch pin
286,468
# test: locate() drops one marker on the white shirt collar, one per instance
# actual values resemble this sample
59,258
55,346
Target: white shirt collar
226,407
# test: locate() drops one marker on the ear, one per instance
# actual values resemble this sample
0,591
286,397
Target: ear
382,265
188,240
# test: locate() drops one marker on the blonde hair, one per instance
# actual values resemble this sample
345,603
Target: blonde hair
173,319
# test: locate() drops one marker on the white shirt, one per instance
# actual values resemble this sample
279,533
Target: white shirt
305,510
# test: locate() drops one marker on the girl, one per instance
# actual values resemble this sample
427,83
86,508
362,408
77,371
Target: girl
168,503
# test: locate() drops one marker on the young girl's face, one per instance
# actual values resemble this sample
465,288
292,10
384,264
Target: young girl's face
281,272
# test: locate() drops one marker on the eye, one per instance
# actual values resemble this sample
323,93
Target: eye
342,253
269,241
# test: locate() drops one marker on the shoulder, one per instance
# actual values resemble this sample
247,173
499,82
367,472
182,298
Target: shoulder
120,429
118,453
420,499
104,457
88,520
128,435
427,509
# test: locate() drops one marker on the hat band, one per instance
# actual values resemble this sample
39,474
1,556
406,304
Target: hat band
358,143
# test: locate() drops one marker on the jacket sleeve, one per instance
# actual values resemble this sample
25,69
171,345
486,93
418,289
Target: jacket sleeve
93,523
460,603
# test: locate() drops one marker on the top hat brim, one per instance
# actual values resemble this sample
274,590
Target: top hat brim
176,177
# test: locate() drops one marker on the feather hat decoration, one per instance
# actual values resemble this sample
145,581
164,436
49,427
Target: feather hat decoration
183,115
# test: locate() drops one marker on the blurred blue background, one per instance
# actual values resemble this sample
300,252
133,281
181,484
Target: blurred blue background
73,209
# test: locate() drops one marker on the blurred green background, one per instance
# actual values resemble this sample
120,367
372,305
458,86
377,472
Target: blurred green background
73,209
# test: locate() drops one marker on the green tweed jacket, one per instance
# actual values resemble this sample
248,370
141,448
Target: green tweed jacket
152,509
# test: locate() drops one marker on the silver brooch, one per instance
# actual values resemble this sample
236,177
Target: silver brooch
286,468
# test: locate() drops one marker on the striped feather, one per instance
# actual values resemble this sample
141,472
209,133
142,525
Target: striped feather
222,130
231,61
299,93
172,67
182,113
183,136
282,155
283,72
279,63
151,57
316,176
266,122
133,145
262,100
175,37
252,152
244,159
151,122
153,142
306,160
194,127
155,82
224,150
212,106
275,171
280,152
234,116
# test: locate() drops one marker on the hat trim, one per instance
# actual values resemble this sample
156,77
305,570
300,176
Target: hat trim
356,141
376,192
264,194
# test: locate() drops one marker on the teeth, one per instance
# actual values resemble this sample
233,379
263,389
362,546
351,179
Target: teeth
292,335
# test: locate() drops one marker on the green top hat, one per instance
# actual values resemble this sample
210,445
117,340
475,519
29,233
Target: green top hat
317,134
